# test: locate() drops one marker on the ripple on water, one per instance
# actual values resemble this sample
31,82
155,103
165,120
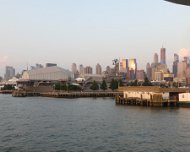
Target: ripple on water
58,125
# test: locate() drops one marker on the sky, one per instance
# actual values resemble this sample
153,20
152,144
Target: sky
90,31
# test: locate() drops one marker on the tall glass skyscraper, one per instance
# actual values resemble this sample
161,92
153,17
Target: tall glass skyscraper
163,55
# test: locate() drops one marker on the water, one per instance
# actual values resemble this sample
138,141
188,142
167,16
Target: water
91,125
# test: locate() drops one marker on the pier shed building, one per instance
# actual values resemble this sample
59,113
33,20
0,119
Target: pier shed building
48,73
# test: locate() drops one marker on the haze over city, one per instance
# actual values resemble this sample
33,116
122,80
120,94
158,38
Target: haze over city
90,32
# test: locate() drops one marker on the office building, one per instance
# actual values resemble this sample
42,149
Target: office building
9,72
88,70
175,64
163,55
81,70
132,67
140,75
148,71
182,69
74,68
123,66
155,58
98,69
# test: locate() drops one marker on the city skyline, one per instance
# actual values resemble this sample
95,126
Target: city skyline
76,67
90,32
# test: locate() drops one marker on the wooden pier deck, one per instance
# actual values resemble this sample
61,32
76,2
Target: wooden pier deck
6,91
63,94
150,96
145,102
79,94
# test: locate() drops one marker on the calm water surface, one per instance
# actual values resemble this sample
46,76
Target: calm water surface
90,125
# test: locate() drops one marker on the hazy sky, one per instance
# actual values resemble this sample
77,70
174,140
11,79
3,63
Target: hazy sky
89,31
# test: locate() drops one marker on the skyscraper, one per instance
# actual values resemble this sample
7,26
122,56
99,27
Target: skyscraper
175,64
176,57
155,58
88,70
132,67
140,75
9,72
148,71
123,65
74,68
182,69
163,55
98,69
187,59
81,70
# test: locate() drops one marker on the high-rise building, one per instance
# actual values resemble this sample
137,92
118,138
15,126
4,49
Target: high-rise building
108,70
74,68
175,64
81,70
132,67
88,70
187,60
176,57
182,69
98,69
123,65
160,68
163,55
155,58
9,72
148,71
140,75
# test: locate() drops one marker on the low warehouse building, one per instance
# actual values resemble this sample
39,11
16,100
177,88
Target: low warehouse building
48,73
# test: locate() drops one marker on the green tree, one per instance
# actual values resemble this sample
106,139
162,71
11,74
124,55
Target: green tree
103,85
60,86
74,87
134,83
94,86
120,82
114,84
8,87
146,82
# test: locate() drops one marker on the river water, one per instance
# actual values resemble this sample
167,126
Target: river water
38,124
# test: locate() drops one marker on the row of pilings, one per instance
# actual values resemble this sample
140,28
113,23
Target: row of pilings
120,100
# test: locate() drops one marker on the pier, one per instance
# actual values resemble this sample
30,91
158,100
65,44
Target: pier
6,91
64,94
150,96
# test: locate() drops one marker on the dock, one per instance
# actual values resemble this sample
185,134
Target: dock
150,96
6,91
146,102
64,94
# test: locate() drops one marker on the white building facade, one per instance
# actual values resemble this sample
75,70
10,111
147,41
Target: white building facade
48,73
